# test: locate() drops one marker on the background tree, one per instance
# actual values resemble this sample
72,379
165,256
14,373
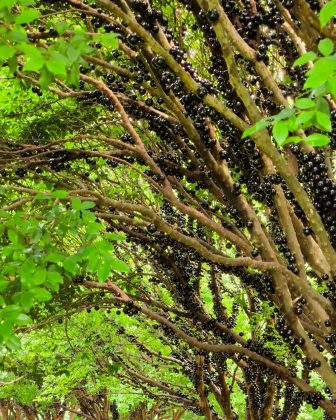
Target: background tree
163,161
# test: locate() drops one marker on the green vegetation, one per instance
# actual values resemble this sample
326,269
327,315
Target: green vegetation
167,209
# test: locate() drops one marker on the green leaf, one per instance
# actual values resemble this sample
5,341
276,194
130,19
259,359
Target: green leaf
41,196
4,213
303,118
93,261
13,236
45,79
73,54
54,257
255,128
34,58
6,51
326,46
3,285
73,76
321,71
23,319
94,227
27,16
27,2
119,265
103,272
305,58
104,247
323,120
87,205
26,300
12,63
6,329
18,34
39,276
293,139
323,105
80,42
7,4
25,273
61,27
284,114
327,12
109,40
291,122
10,312
332,84
54,280
115,236
304,103
280,132
317,140
13,342
59,194
41,294
320,91
315,81
76,204
57,65
70,264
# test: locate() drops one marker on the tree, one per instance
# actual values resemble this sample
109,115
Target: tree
181,168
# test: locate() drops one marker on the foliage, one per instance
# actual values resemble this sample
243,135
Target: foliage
38,253
61,59
311,110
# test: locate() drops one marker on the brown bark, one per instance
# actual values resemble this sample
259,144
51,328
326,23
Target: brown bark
204,403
